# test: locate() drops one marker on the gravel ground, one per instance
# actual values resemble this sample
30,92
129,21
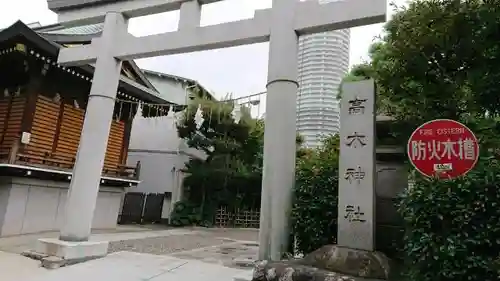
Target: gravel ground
235,234
178,243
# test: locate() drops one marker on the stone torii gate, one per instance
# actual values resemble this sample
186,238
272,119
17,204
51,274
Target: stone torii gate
281,25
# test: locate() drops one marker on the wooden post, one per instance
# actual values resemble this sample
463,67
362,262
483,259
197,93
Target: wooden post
13,151
126,141
6,121
58,128
137,173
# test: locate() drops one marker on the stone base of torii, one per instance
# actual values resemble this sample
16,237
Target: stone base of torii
281,25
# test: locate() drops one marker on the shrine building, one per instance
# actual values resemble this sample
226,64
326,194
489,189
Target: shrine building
42,108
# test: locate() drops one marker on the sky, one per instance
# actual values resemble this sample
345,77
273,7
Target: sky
240,71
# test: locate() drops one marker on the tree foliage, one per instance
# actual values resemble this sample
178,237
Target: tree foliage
452,227
314,213
438,59
230,175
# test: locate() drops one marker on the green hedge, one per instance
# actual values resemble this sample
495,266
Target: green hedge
453,227
314,213
185,213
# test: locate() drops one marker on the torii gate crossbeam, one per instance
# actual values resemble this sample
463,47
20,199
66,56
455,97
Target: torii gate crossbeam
330,16
80,12
281,25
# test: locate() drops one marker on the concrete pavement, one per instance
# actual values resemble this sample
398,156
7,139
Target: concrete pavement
128,266
14,267
161,255
20,243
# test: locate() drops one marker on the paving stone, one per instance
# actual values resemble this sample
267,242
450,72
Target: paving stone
52,262
34,255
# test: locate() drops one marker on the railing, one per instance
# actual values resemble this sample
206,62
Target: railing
125,171
53,160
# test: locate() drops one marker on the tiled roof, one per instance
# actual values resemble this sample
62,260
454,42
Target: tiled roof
51,48
169,76
177,79
77,30
93,29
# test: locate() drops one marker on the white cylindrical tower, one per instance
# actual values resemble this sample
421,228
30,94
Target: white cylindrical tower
323,62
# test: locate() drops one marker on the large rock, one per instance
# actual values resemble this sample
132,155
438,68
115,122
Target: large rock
291,271
329,263
353,262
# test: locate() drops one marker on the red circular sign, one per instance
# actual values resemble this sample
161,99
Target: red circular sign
443,148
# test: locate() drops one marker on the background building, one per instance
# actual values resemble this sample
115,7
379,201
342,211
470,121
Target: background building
155,142
42,109
323,62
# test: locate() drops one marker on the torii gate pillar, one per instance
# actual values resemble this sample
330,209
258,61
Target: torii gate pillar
280,25
278,176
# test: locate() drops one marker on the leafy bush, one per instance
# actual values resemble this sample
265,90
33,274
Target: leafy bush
314,213
185,213
453,227
497,266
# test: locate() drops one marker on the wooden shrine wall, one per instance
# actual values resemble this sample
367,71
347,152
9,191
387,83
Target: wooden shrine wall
4,109
55,135
115,143
71,123
11,115
43,130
